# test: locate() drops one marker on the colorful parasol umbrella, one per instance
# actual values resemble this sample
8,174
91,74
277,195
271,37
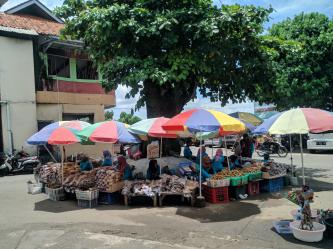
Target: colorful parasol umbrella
302,121
152,127
202,120
266,125
58,133
248,118
108,132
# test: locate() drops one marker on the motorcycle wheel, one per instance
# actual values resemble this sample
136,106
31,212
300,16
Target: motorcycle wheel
282,152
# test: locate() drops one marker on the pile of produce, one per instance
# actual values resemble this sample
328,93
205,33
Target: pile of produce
82,180
167,183
106,177
49,174
252,169
139,188
226,173
71,168
172,184
276,169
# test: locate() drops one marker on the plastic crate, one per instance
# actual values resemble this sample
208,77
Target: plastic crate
235,181
218,183
235,191
108,198
245,179
255,176
215,195
253,188
57,194
271,185
87,195
87,203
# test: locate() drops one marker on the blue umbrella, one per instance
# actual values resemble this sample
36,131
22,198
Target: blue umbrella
264,127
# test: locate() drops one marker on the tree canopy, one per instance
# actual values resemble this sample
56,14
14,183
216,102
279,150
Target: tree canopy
167,50
128,118
108,115
302,62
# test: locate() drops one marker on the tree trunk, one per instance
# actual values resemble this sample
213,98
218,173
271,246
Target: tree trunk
166,101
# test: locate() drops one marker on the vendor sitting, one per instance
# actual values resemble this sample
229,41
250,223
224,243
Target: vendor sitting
85,164
187,151
153,172
203,153
206,169
218,161
107,158
234,162
124,168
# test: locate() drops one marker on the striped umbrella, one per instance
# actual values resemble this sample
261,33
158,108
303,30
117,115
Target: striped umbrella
58,133
302,121
202,120
247,118
152,127
108,132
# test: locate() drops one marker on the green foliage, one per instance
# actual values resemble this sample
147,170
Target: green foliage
165,50
302,57
108,115
128,118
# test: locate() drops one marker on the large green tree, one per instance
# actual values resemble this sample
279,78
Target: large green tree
168,49
304,70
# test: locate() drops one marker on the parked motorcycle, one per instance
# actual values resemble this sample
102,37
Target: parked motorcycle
272,148
20,162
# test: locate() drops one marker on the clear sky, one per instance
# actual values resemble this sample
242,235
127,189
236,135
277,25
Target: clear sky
282,10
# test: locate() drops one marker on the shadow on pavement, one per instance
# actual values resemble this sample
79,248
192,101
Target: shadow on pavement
326,243
311,172
55,206
217,213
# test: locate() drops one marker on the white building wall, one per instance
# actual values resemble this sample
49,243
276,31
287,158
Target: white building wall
17,87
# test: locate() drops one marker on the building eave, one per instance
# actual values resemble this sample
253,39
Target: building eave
41,6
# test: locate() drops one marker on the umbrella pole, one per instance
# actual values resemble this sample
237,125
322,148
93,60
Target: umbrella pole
226,151
200,150
62,164
301,145
47,149
212,149
291,156
161,151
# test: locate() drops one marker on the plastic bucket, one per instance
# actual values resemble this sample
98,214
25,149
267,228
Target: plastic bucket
315,235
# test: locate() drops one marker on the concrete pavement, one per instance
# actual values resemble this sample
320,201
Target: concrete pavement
33,221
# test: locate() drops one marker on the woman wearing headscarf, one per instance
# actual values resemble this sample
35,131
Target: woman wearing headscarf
85,164
107,158
218,161
124,168
206,169
201,150
153,172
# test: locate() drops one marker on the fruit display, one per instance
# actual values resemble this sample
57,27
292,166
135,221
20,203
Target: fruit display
226,173
252,169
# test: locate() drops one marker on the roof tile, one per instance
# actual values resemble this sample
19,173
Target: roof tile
37,24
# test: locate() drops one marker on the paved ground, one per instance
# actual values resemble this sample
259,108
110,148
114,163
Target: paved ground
33,221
